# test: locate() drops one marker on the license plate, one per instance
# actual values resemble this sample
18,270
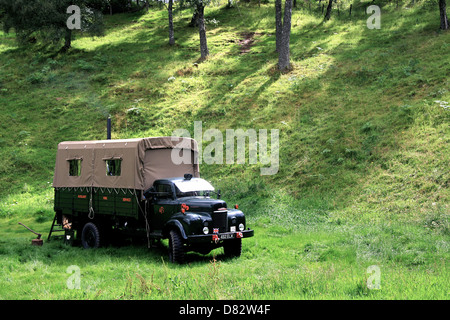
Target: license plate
227,236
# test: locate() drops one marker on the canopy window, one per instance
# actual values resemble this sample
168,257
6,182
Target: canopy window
75,167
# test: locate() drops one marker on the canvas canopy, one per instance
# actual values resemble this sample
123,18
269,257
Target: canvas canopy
125,163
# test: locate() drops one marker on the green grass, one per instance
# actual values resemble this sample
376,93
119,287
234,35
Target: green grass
364,152
325,261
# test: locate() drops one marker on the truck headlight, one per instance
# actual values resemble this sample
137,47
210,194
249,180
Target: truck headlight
205,230
241,226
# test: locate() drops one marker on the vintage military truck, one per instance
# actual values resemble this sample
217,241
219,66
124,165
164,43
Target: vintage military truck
134,187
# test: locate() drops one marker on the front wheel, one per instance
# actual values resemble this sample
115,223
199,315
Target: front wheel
233,248
176,247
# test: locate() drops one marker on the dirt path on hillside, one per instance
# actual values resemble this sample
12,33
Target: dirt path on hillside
247,41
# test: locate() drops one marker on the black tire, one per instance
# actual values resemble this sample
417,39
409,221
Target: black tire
90,236
233,248
176,247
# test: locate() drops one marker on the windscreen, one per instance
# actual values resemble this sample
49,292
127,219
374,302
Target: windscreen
195,184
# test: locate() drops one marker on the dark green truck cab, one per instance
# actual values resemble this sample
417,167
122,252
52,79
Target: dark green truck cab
184,212
110,187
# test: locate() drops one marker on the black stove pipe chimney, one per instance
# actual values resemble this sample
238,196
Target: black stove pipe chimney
108,128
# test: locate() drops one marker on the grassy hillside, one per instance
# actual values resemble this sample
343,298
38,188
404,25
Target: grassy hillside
363,118
360,124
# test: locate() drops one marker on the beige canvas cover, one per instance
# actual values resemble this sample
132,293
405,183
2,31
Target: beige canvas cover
142,161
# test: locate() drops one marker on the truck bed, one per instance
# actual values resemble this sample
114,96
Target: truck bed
104,201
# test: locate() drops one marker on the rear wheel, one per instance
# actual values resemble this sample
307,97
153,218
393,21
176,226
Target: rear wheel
90,236
176,247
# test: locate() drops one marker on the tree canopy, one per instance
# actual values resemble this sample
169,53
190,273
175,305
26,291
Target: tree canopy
47,18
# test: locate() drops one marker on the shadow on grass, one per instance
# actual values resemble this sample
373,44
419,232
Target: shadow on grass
122,249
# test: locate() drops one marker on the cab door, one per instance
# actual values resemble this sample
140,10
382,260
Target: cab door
163,206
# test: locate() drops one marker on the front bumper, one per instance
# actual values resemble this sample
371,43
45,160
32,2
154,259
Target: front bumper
219,237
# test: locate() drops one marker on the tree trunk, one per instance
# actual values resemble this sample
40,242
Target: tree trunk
444,19
67,40
202,31
328,13
283,54
171,36
194,19
278,24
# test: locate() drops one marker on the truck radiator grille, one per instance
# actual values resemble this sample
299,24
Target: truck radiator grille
220,220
